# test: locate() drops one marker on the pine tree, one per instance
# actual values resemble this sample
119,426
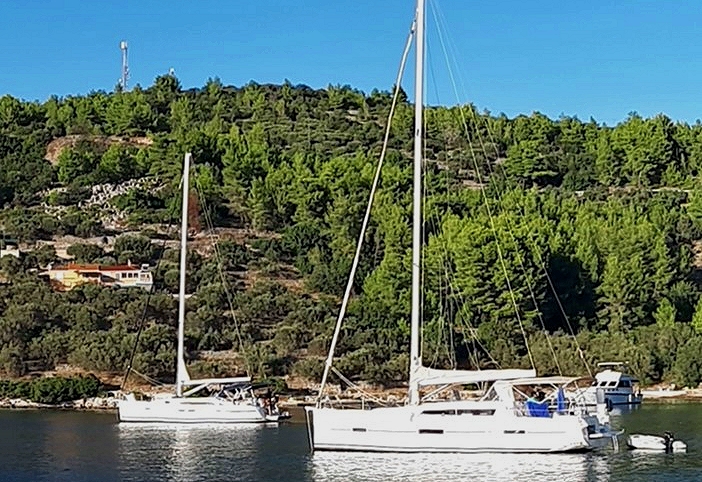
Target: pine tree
697,317
665,314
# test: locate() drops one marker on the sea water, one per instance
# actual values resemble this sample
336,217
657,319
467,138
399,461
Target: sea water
41,445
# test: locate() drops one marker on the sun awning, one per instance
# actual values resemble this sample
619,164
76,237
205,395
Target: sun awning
425,376
217,381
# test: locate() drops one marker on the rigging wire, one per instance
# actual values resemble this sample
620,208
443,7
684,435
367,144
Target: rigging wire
140,328
486,202
500,194
452,283
434,222
361,236
510,226
220,268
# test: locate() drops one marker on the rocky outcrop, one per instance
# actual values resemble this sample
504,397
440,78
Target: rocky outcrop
95,403
55,147
101,198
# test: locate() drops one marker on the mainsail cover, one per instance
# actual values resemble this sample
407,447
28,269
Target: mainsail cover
425,376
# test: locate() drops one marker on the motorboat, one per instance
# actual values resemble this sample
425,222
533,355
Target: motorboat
619,387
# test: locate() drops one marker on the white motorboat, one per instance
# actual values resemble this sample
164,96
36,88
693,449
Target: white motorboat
505,419
225,400
619,388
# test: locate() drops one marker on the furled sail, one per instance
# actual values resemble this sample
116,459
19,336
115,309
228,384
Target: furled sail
425,376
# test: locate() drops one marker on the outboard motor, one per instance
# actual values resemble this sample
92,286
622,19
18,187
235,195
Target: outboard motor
668,439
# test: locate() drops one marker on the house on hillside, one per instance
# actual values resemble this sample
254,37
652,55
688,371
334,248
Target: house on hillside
9,247
67,277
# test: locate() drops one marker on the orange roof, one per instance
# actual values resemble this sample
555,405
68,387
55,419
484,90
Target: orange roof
96,267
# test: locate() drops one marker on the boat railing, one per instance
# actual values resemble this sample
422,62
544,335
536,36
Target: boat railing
550,407
364,403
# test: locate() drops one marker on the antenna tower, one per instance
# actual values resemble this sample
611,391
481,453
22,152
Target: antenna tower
125,66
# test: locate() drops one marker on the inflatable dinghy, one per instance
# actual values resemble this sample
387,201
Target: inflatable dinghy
666,443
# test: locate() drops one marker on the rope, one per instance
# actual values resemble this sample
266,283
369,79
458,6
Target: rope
153,381
225,284
361,236
356,387
510,225
500,195
486,202
148,298
451,279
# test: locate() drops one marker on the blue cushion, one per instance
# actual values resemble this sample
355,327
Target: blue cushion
537,409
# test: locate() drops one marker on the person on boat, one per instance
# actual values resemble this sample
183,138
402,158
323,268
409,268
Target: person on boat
267,399
274,403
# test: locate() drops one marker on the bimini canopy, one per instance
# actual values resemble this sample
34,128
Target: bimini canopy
217,381
554,381
425,376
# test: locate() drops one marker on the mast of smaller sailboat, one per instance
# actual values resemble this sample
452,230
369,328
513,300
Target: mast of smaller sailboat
181,372
415,352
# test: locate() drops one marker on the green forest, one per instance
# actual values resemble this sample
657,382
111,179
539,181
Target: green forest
593,232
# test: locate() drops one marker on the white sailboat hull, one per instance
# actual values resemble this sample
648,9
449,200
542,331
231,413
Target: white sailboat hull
407,429
191,410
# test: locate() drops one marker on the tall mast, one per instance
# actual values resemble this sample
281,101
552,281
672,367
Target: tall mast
415,352
181,372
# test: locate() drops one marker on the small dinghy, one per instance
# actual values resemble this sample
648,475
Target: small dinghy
666,443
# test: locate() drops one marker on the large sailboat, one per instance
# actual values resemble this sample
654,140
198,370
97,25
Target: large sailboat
225,400
507,418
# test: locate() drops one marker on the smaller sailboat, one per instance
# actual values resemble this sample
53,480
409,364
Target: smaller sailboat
225,400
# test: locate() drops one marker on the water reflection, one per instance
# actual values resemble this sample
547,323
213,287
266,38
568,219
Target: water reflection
189,452
330,466
42,446
619,410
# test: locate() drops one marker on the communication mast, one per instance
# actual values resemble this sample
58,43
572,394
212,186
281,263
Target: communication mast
125,67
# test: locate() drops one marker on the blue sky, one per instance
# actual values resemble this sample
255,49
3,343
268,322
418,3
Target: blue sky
594,58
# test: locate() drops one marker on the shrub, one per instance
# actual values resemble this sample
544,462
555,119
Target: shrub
688,365
52,390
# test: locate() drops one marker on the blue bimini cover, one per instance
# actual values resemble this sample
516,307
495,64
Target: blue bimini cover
537,409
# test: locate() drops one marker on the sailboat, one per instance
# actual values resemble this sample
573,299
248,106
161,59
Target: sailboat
226,400
505,419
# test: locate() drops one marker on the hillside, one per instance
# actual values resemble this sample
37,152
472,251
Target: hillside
598,229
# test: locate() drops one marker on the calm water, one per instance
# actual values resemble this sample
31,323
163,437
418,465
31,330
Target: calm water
75,447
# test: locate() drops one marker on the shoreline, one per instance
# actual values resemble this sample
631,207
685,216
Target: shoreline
109,403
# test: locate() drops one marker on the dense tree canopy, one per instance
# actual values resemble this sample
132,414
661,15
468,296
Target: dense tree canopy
591,232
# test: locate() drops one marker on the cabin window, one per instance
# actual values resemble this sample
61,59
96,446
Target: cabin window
612,384
625,383
476,412
460,412
439,412
431,430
